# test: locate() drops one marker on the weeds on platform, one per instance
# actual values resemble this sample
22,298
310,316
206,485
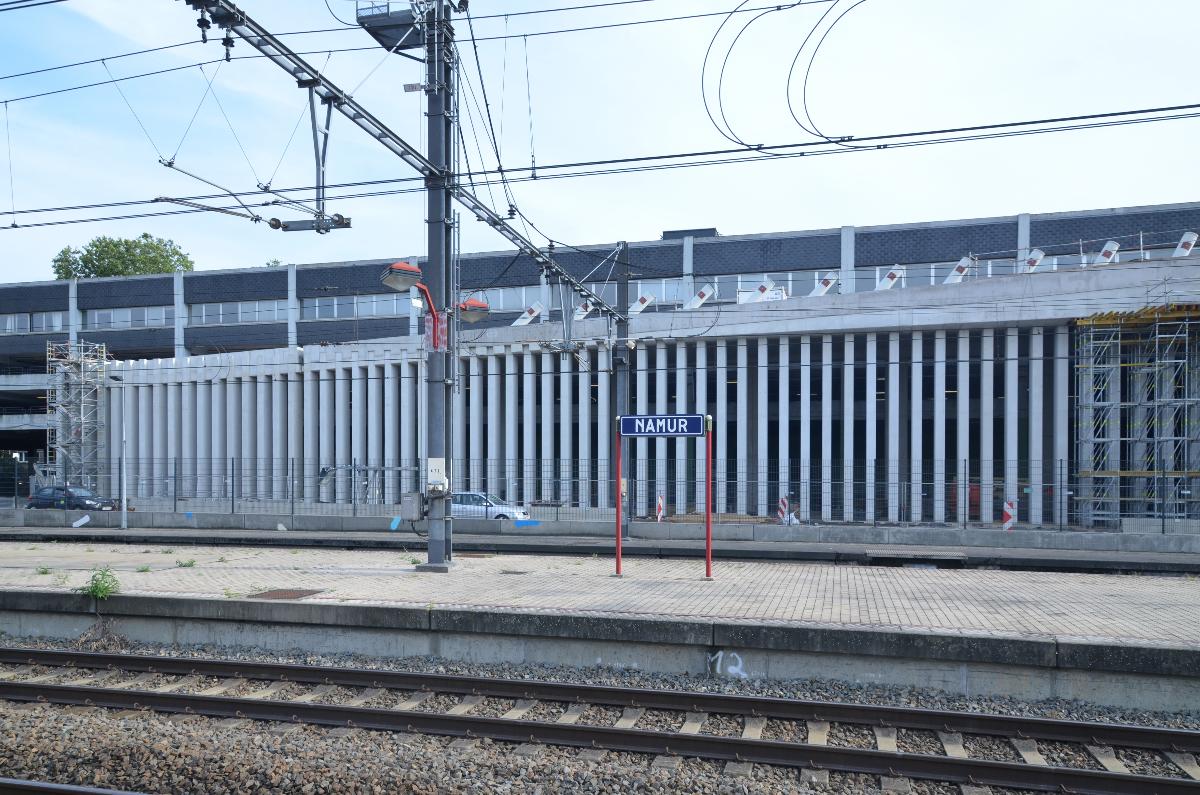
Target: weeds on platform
101,585
185,564
43,569
143,569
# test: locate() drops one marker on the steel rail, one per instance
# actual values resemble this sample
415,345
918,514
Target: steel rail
1123,735
18,786
772,752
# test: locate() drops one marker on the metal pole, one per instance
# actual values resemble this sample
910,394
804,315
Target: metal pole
233,485
619,458
439,280
175,486
292,486
354,487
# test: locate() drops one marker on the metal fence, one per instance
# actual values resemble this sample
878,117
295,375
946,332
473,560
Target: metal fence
897,493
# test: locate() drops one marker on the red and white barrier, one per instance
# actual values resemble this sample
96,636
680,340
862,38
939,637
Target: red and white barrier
1009,514
1186,244
1108,253
661,510
783,510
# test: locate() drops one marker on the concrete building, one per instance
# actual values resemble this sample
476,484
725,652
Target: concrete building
887,383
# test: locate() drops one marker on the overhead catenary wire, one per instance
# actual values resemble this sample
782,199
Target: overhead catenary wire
116,84
20,5
196,113
12,190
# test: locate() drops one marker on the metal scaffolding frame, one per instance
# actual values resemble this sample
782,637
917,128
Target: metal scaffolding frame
1138,419
76,437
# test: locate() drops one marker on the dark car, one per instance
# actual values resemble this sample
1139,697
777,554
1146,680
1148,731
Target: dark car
72,498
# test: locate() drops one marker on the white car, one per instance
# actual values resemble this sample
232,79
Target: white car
477,505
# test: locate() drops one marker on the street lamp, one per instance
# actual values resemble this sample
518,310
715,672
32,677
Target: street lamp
402,276
124,458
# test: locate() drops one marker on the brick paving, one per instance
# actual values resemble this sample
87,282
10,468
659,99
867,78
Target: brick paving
1096,607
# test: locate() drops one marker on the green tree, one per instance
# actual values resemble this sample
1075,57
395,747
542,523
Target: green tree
114,256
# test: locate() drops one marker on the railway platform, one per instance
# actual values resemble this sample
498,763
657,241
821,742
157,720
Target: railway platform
1122,640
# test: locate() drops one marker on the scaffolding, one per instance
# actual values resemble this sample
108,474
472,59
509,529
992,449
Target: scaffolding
76,435
1138,419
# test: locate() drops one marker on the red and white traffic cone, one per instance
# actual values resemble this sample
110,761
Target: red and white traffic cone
661,510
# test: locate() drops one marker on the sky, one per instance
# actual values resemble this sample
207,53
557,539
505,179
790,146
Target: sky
888,66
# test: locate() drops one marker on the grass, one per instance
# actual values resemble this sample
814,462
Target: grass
230,593
167,551
101,585
222,559
43,569
143,569
186,564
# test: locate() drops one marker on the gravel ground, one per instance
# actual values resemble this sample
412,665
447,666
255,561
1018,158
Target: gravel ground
919,742
723,725
493,707
1068,755
440,702
1148,763
660,720
848,735
93,749
788,731
546,711
995,749
807,689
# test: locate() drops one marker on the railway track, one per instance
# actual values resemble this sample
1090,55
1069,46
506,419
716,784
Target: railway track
744,730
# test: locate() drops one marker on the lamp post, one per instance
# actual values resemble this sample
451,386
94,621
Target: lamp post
124,471
402,276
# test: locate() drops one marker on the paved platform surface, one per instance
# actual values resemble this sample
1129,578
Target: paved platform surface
869,554
1096,608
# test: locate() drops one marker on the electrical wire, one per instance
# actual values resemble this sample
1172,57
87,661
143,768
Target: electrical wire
136,118
207,91
335,16
808,71
12,191
20,5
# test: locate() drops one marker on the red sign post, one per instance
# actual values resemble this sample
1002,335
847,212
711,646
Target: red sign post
669,425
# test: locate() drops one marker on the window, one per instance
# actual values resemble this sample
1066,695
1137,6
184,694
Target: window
346,307
46,321
271,311
129,317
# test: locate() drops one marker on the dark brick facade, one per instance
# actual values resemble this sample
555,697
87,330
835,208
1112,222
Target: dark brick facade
252,285
935,244
116,293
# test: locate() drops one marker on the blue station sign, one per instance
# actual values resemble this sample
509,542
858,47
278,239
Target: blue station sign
663,425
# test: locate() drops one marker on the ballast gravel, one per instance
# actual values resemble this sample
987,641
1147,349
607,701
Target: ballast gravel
150,752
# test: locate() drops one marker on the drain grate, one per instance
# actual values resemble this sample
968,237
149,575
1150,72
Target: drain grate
282,593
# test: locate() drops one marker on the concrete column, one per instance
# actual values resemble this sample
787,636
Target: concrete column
586,471
1022,237
180,306
641,447
762,473
661,390
75,322
475,452
848,473
721,418
139,441
939,426
375,419
987,405
293,304
358,428
893,428
826,475
1062,431
783,402
158,423
916,427
188,426
566,429
391,433
263,465
962,424
1037,399
494,474
546,464
870,427
847,282
743,472
233,436
679,494
218,448
1012,405
174,422
294,418
314,449
116,417
512,412
604,424
458,445
689,269
529,456
204,453
249,437
702,408
344,450
805,451
279,437
409,386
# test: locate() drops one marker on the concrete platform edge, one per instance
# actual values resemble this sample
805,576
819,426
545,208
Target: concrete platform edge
713,635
